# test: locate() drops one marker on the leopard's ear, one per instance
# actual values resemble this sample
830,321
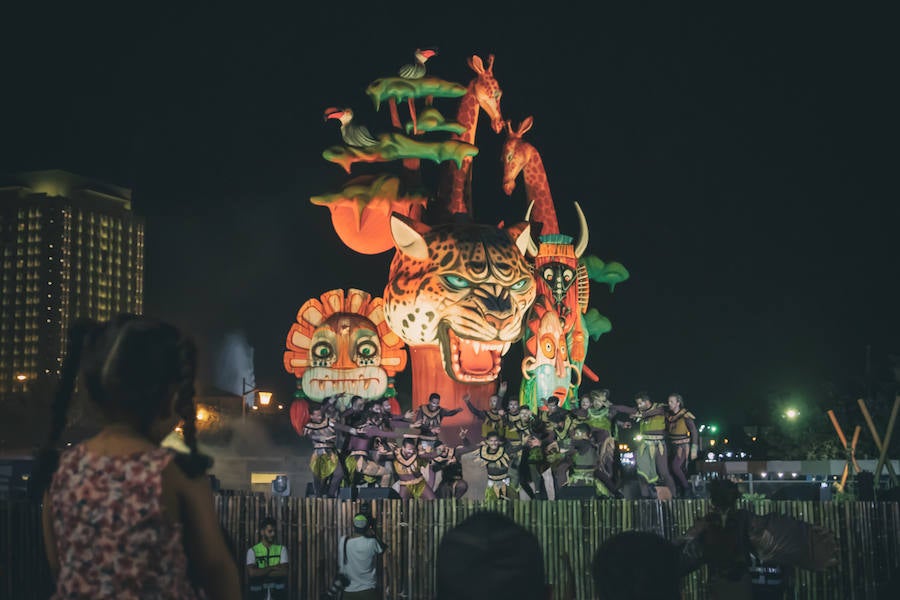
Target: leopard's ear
408,238
521,233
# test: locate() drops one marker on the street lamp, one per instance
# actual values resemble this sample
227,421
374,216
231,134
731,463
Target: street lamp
791,414
21,377
264,397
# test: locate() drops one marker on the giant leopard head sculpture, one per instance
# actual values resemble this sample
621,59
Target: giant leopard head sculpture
463,286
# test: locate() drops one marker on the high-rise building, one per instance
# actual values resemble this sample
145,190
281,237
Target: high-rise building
70,247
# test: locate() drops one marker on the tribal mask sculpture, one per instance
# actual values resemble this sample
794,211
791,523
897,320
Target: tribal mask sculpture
341,343
546,366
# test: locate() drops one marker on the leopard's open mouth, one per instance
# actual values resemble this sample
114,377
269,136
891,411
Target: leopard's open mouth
472,361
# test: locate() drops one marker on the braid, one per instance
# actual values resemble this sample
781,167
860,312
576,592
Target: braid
47,459
194,464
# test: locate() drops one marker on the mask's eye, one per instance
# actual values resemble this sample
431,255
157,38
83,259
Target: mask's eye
519,285
456,282
548,274
322,351
568,275
509,157
497,94
548,346
562,346
367,349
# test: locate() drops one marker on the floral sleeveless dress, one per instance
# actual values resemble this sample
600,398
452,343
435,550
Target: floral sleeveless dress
112,538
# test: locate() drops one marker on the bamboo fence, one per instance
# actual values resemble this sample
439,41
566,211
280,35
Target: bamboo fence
570,531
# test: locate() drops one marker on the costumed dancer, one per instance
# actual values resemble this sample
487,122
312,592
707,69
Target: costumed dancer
361,469
580,414
324,463
584,455
525,449
557,419
492,418
431,458
512,438
429,416
493,454
408,467
683,437
650,453
544,454
601,426
395,421
452,484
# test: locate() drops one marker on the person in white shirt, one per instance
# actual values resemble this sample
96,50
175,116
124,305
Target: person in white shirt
357,560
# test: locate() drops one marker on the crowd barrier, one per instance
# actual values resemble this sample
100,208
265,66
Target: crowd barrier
570,531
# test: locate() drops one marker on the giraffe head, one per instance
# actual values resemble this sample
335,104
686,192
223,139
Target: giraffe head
486,90
516,154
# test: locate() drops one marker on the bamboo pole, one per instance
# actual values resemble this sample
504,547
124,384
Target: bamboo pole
887,437
853,449
877,438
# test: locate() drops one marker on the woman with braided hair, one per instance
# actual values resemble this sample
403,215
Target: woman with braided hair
123,517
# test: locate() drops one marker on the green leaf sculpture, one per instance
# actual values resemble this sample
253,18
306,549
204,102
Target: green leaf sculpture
395,146
401,89
608,273
431,120
596,324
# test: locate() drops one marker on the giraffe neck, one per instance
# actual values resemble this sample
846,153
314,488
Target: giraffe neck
467,116
537,190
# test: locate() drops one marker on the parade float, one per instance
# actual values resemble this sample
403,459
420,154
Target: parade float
458,293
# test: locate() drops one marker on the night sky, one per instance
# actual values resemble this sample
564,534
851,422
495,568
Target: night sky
741,165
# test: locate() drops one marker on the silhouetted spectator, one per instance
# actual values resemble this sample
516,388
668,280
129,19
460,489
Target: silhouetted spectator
490,557
636,565
747,553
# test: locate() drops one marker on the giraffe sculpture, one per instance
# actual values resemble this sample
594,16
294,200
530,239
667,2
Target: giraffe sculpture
521,157
483,92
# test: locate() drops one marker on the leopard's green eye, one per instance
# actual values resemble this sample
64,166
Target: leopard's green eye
520,284
456,282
